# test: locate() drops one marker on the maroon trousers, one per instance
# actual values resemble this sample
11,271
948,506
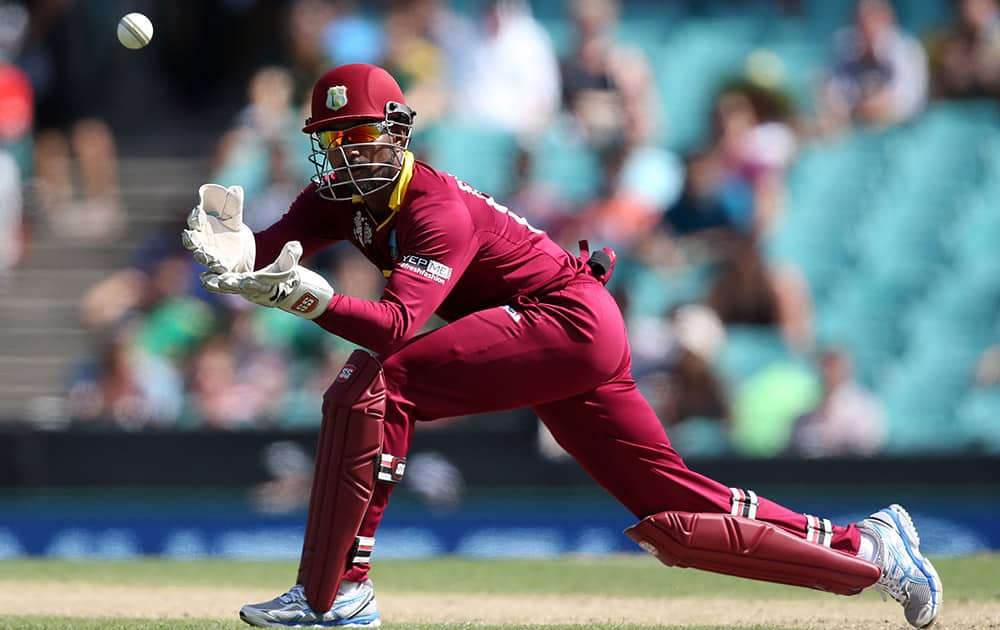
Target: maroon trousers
566,356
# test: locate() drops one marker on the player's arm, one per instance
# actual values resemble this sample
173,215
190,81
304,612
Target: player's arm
298,224
434,253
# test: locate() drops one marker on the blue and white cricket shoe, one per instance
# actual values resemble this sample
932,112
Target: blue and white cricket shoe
354,607
907,577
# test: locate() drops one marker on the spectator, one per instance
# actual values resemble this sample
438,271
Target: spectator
427,49
235,384
712,198
76,158
125,387
637,184
17,100
848,420
684,385
352,37
291,470
738,182
987,371
16,113
12,236
159,273
92,211
879,72
305,39
513,83
965,57
745,290
607,88
756,143
537,201
253,153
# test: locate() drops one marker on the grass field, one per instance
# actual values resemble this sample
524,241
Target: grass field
595,593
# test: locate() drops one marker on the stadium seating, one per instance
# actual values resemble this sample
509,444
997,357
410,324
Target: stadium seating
700,437
977,415
896,231
483,157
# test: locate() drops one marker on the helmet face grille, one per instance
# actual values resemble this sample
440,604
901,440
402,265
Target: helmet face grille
348,180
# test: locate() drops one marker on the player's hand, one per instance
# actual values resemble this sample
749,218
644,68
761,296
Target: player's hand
283,284
216,234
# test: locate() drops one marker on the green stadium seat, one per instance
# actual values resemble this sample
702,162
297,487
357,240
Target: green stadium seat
922,396
653,292
567,166
700,437
961,311
925,16
826,16
862,315
979,419
481,156
972,239
697,58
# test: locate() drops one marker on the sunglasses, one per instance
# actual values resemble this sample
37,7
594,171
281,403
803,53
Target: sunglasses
368,132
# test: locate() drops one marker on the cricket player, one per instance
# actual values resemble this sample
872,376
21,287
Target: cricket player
529,324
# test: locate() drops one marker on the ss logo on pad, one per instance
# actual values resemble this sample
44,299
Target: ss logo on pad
346,373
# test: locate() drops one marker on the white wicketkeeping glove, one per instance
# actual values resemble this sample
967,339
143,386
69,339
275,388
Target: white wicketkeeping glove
216,234
283,284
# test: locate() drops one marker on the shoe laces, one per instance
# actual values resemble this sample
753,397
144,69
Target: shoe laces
893,580
892,583
295,595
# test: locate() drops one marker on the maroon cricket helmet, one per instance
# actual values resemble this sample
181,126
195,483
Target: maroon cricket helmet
354,92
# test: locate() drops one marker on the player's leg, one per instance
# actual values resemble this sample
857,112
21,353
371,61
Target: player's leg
347,457
691,520
617,438
499,358
495,359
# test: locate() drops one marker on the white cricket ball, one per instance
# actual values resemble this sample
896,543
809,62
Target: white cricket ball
135,31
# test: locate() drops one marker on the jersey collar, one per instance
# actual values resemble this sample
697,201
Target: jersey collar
405,173
402,185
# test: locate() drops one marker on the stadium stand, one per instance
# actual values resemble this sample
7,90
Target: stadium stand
894,229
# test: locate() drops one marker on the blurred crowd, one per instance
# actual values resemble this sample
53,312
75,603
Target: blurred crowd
591,155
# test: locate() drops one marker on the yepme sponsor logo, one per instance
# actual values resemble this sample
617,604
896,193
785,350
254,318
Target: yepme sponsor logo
426,267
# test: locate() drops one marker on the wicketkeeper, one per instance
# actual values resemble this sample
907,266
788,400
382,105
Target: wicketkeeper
529,325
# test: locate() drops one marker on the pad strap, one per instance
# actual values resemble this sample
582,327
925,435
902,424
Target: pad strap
391,468
363,548
743,503
819,530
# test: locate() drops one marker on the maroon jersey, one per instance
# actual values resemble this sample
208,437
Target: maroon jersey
447,249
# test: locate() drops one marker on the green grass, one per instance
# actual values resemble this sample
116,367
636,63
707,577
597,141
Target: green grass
61,623
965,579
633,576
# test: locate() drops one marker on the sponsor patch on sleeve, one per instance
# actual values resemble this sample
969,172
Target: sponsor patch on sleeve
426,267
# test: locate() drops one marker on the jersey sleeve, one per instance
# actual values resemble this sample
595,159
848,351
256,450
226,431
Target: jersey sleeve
435,248
298,224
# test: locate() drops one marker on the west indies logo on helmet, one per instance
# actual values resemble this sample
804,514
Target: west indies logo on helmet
360,128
